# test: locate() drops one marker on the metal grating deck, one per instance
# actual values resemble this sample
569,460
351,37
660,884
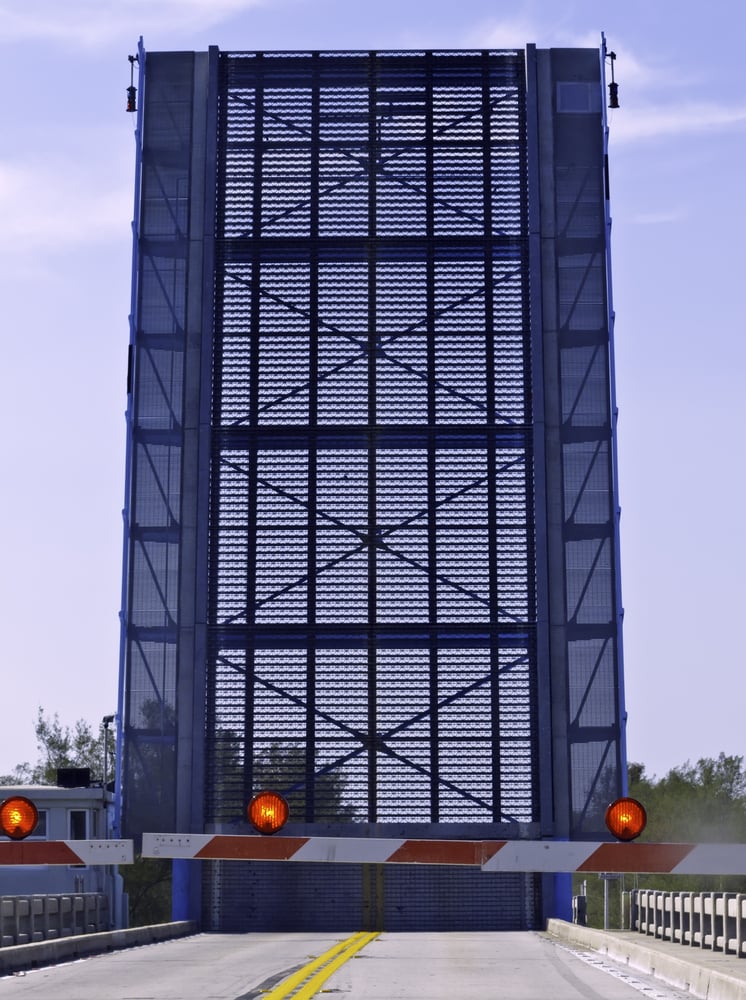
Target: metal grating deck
372,593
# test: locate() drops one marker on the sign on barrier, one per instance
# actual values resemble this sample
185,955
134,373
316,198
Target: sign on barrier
66,852
489,855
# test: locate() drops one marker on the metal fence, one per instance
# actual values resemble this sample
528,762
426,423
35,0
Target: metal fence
715,920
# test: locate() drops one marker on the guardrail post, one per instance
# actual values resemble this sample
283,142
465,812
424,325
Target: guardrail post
54,927
657,918
707,920
642,911
729,922
688,930
677,930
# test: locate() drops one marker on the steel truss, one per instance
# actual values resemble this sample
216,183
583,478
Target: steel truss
371,538
371,574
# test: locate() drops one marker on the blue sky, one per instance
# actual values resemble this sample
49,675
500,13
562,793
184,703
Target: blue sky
678,149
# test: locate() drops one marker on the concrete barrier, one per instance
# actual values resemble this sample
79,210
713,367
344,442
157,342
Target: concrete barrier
716,977
33,918
21,957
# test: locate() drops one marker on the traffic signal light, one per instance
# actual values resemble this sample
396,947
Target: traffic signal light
626,818
18,817
132,98
268,812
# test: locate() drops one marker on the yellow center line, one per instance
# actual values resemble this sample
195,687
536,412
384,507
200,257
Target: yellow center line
320,969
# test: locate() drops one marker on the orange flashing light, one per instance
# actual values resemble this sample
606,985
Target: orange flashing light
268,812
18,817
626,818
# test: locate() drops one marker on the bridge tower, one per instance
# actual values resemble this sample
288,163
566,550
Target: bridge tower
371,539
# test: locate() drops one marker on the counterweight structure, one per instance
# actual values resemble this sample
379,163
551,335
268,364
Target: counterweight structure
371,550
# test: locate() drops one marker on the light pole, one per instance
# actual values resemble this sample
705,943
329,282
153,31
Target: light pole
107,721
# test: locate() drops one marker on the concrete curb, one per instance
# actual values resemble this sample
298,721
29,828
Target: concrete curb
19,957
699,977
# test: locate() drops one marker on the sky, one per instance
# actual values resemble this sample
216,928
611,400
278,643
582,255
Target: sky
677,151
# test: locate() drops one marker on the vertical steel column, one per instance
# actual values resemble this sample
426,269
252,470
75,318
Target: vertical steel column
491,437
196,472
313,423
432,419
372,439
544,707
129,418
614,471
551,596
252,485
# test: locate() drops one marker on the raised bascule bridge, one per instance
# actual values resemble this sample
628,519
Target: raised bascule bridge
371,538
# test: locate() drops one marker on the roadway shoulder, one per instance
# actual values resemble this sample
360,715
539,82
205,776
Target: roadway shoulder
19,957
702,972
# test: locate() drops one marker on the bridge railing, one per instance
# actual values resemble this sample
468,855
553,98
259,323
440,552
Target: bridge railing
715,920
25,919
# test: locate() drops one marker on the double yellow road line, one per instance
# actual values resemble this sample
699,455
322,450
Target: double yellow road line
306,981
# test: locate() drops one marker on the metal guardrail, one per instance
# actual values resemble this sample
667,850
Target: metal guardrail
715,920
28,919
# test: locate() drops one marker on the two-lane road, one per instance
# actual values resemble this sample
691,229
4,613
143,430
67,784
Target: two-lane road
418,966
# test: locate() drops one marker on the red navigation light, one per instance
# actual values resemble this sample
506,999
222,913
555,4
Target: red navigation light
626,818
268,812
18,817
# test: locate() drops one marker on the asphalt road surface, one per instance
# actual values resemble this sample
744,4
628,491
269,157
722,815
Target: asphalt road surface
420,966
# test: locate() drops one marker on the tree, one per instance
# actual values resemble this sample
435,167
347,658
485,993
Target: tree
149,771
147,881
283,768
313,795
63,746
694,803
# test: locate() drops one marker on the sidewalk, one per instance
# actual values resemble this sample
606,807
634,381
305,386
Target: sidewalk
704,973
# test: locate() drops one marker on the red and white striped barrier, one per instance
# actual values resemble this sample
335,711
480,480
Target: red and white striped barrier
66,852
568,856
489,855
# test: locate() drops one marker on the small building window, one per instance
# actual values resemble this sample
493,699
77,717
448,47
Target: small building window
40,830
78,824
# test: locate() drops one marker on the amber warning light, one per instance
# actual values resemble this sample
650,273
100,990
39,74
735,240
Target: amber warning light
626,818
268,812
18,817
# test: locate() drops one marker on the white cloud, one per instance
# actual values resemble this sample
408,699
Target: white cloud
509,33
658,218
516,32
636,77
95,22
632,124
49,207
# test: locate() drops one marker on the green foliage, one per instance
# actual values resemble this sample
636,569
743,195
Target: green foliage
147,883
150,776
283,769
694,803
63,746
